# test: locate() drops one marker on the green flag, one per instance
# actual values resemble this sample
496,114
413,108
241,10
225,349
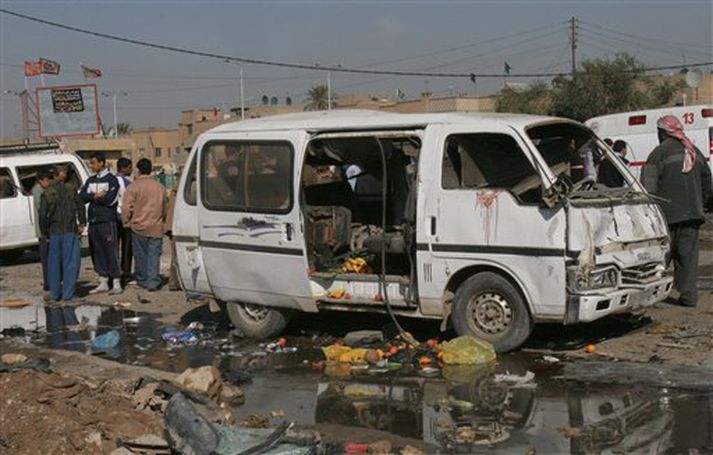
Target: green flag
507,68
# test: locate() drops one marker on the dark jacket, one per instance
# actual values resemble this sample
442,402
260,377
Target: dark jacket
101,209
61,210
685,193
609,175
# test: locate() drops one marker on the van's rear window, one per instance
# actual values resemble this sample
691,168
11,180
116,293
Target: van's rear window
247,176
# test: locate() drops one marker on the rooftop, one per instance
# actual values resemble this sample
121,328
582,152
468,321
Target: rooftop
360,119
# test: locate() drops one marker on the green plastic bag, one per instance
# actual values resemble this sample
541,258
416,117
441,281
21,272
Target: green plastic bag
466,350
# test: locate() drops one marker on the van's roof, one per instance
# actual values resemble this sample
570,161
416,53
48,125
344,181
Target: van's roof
361,119
655,113
37,157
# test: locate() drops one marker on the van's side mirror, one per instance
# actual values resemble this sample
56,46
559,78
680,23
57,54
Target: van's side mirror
558,191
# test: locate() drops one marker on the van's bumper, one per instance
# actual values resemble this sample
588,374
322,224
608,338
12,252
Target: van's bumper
589,307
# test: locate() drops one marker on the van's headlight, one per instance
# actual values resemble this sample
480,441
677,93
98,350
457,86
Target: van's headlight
580,280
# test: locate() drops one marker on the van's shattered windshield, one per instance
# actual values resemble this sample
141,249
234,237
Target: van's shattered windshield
573,151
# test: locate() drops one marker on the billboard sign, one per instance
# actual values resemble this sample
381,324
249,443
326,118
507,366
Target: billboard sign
70,110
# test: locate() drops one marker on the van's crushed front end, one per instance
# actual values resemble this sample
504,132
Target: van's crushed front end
617,241
618,252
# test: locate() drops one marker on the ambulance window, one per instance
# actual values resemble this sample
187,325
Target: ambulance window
486,160
247,176
7,188
190,190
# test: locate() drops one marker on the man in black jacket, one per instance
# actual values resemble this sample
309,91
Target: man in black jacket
101,192
62,219
677,172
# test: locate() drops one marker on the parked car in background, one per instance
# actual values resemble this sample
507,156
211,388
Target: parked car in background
19,165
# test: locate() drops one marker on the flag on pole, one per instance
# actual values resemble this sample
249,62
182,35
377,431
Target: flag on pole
49,66
507,68
32,68
91,73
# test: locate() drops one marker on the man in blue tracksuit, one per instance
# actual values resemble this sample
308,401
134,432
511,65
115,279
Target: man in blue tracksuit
62,218
101,192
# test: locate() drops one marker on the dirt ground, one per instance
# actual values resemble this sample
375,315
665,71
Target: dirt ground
82,406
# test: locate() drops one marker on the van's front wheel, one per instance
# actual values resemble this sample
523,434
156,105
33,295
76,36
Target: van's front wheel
489,307
257,321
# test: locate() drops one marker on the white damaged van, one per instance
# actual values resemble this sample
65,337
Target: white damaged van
484,221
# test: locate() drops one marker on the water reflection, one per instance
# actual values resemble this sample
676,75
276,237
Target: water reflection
467,410
482,414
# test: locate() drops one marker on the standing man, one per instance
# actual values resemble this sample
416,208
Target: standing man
44,178
123,171
677,172
62,219
101,192
144,211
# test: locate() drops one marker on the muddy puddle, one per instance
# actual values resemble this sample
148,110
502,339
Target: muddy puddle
515,406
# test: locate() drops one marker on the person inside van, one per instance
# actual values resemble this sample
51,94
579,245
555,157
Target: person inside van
44,178
677,172
229,170
608,175
101,192
62,219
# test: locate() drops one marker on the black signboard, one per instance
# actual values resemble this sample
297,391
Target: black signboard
67,100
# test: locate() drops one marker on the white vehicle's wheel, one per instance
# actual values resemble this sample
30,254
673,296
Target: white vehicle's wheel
489,307
257,321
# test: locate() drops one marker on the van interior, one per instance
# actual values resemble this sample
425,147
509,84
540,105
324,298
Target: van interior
342,187
28,175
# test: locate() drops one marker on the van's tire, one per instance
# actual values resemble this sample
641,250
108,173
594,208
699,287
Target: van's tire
489,307
256,321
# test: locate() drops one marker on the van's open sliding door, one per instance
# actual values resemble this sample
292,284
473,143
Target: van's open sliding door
250,223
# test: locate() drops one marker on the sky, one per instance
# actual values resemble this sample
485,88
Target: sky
153,86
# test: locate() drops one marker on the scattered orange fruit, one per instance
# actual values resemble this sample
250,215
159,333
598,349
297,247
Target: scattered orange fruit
590,348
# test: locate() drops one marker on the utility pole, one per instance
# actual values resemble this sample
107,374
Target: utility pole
329,90
573,42
242,95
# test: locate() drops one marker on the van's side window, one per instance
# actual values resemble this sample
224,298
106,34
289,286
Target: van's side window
7,189
247,176
190,191
28,175
488,160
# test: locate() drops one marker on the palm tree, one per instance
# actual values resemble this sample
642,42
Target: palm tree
318,98
123,128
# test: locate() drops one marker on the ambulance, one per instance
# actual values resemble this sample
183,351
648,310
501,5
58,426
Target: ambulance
638,130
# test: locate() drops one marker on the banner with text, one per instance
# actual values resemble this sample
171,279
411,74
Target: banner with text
68,110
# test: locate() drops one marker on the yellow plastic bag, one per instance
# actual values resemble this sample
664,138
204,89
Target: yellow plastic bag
335,351
466,350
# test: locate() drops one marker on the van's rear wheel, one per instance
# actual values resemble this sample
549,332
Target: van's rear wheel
257,321
489,307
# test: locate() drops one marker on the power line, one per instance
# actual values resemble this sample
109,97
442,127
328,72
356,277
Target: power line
296,65
654,48
647,39
278,63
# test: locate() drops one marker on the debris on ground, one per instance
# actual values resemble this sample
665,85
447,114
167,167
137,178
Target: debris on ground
363,338
382,447
14,303
515,381
13,332
11,359
148,443
254,421
410,450
173,336
205,380
550,359
108,340
466,350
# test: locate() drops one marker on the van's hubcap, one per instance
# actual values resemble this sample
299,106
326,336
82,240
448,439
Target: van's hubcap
256,313
490,313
